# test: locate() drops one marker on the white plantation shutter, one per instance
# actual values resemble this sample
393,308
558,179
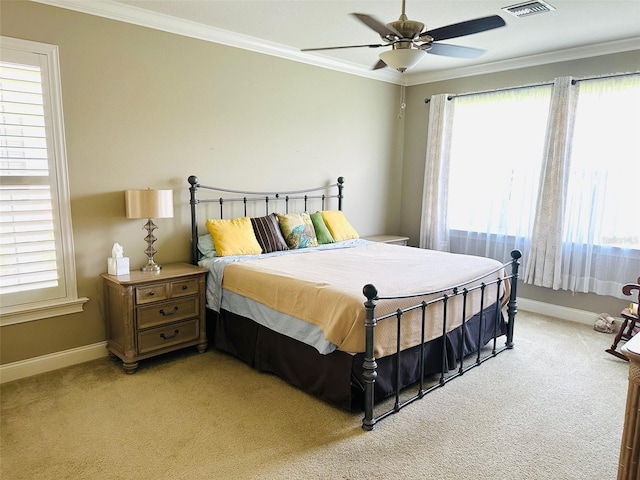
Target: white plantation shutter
37,270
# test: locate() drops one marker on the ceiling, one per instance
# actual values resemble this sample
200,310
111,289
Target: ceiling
574,29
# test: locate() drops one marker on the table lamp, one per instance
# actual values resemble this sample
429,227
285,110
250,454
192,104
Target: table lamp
149,204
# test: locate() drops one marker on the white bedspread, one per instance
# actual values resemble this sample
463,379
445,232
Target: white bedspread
323,287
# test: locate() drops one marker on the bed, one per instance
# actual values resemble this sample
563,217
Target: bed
294,291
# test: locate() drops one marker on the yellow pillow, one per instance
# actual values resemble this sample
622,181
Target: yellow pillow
233,237
338,225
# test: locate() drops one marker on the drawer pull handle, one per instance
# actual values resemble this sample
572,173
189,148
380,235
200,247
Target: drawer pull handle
166,314
164,337
151,293
184,287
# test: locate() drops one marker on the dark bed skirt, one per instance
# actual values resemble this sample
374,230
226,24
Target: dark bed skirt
337,377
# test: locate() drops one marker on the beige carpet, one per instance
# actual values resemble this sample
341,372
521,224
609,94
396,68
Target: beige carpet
552,408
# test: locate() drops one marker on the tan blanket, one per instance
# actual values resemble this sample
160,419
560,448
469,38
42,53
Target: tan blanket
325,289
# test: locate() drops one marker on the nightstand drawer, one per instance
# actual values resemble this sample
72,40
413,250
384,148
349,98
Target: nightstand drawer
184,287
152,293
163,337
165,312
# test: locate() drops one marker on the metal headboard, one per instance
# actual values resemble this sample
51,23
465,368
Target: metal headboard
248,197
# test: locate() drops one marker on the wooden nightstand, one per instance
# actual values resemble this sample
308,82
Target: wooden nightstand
151,313
393,239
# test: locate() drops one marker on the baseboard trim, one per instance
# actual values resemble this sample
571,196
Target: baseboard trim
52,361
66,358
558,311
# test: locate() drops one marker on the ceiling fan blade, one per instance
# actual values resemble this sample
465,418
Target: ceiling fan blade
379,65
337,48
465,28
455,51
383,30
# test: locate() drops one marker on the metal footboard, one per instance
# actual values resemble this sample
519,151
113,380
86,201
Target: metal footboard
442,298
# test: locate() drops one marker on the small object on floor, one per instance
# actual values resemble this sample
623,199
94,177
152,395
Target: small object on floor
605,323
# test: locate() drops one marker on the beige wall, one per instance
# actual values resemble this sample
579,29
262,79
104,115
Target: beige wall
144,108
416,137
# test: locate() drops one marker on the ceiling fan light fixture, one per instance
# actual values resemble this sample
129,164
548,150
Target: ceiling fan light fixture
403,58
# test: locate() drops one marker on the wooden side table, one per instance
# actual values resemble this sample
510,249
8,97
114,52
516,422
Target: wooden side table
393,239
150,313
630,444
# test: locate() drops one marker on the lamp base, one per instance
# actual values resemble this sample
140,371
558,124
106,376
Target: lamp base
151,267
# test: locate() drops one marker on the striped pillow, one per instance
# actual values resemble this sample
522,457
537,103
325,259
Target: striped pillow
268,234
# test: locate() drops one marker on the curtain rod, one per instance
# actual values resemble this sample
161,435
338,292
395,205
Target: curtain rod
450,97
573,82
598,77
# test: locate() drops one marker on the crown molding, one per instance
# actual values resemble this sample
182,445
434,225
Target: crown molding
187,28
167,23
564,55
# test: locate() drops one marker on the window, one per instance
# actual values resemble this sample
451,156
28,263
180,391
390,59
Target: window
37,268
551,170
493,145
605,164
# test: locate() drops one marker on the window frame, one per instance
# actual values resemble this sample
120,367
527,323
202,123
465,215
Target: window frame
68,303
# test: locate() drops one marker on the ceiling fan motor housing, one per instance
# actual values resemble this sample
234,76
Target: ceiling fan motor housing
408,29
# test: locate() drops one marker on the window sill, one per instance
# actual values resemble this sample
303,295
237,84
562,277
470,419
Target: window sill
31,312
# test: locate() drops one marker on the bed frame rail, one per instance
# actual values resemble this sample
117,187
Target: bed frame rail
441,299
249,197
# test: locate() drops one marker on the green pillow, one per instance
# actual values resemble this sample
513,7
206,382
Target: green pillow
322,232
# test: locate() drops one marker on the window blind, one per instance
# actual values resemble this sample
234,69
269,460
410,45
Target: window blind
28,256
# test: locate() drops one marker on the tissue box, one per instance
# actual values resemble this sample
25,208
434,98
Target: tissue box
118,265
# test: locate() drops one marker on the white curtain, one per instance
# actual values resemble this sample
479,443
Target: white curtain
551,171
434,232
545,255
494,166
601,238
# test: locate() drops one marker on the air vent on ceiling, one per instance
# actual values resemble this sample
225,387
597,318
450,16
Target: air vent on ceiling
528,8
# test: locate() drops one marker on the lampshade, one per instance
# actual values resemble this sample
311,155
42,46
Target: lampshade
402,58
149,203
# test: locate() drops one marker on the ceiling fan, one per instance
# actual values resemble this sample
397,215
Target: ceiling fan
409,41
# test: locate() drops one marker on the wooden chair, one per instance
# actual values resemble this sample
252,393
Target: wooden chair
629,325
